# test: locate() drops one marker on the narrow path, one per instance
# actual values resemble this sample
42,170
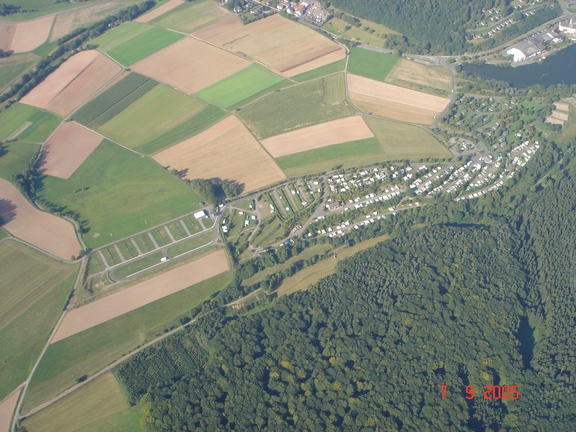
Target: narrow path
103,259
136,246
153,240
185,228
169,234
119,252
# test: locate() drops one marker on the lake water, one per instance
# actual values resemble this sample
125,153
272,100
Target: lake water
557,69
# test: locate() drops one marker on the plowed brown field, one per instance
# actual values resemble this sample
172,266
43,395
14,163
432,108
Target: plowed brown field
67,148
25,35
141,294
226,150
43,230
161,10
322,135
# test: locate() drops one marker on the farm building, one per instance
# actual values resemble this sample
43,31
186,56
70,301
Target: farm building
200,214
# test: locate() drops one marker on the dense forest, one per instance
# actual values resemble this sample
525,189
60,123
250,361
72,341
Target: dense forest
476,296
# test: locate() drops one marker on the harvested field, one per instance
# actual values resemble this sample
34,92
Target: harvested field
43,230
7,408
416,76
190,65
553,120
161,10
73,82
560,115
193,17
67,148
25,35
141,294
286,47
394,102
561,106
226,150
296,107
66,22
322,135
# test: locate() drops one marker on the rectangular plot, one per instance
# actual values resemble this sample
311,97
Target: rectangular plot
177,230
13,119
128,249
161,236
114,37
143,45
111,255
371,64
192,17
109,98
294,198
192,224
144,243
138,265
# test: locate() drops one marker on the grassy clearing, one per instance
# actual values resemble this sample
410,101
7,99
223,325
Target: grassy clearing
325,158
120,193
239,86
45,49
15,159
34,289
310,275
114,100
435,80
15,117
10,72
153,115
269,234
176,230
369,33
402,141
160,236
192,224
93,349
299,106
4,234
304,255
119,35
189,18
188,245
144,243
98,406
321,71
139,265
371,64
143,45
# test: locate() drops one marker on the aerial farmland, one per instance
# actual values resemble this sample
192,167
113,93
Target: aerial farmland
109,157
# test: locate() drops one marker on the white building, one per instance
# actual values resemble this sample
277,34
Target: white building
200,214
569,28
518,55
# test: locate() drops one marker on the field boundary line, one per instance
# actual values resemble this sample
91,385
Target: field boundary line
13,238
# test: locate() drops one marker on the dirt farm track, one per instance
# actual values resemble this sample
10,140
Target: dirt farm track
141,294
43,230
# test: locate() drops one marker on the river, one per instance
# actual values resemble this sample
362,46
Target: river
559,68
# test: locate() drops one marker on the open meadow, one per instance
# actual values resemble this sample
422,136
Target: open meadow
27,123
67,148
239,86
299,106
284,46
25,36
93,349
428,79
228,151
322,135
119,193
98,406
371,64
43,230
190,17
141,294
157,112
34,289
190,65
368,33
15,159
76,80
131,41
398,103
12,67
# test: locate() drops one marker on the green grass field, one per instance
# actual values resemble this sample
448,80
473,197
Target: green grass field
34,289
45,49
402,141
120,193
100,405
139,265
119,35
114,100
155,114
321,71
190,244
93,349
322,159
15,159
369,33
371,64
10,72
15,117
143,45
299,106
239,86
189,18
40,8
4,234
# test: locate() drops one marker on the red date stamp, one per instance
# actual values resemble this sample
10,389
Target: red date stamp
491,392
